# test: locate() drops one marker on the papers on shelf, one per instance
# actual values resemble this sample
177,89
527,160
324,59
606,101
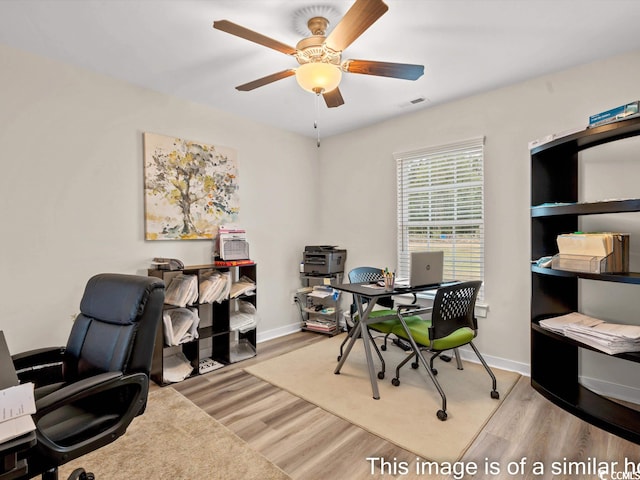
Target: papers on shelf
560,324
17,405
245,318
182,290
180,325
244,286
596,244
215,286
324,291
176,368
611,338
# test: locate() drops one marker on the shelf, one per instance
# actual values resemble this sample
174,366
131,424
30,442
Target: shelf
628,277
216,339
592,137
631,356
555,359
598,411
586,208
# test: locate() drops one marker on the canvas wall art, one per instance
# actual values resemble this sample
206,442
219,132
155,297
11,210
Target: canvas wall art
190,188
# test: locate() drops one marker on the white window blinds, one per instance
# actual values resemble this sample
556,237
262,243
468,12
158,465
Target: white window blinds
441,207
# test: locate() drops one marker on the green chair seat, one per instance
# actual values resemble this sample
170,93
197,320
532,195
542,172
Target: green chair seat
390,325
383,326
420,331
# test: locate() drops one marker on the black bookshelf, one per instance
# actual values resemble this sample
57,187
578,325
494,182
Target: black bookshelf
555,210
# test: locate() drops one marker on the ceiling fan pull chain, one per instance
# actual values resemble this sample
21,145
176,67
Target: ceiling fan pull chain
315,122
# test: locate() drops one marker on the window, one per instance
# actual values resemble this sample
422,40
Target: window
441,207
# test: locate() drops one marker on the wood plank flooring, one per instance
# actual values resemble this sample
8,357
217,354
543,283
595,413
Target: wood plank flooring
309,443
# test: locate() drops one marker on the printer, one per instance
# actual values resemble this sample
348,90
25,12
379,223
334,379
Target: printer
323,259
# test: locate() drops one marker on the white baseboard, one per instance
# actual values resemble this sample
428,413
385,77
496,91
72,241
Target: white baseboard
263,336
502,363
612,390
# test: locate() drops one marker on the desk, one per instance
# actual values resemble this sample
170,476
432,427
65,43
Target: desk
10,466
372,293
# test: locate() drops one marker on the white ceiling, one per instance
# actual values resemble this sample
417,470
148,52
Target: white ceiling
466,46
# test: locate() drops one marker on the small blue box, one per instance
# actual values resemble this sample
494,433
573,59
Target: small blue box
615,114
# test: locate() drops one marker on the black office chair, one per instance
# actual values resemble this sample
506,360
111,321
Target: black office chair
88,392
452,325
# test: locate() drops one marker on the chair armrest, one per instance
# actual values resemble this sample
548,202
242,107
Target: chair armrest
413,309
97,389
38,357
75,391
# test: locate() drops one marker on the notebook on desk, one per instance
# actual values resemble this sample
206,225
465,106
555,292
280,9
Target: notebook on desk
426,269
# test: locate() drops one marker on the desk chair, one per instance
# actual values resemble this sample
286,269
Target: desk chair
88,392
452,325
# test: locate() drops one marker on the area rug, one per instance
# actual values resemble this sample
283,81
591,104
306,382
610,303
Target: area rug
176,440
404,415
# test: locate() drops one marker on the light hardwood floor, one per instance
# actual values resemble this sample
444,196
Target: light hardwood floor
311,444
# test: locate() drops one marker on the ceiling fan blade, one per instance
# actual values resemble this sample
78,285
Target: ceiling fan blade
266,80
361,15
333,98
405,71
242,32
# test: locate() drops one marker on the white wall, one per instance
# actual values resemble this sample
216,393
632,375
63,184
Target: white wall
72,193
360,210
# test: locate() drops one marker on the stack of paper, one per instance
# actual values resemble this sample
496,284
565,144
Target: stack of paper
180,325
244,286
595,244
176,368
245,318
561,323
16,407
215,287
182,290
611,338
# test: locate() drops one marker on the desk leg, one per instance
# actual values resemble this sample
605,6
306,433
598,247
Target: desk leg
361,328
367,350
417,351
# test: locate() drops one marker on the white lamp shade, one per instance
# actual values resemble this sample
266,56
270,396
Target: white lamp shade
318,77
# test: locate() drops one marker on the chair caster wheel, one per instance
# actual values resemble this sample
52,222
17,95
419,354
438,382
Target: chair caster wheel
383,348
434,371
339,357
445,358
495,394
80,474
442,415
381,375
395,382
415,365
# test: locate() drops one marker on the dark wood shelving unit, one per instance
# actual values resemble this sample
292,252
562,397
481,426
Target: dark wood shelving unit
555,210
214,330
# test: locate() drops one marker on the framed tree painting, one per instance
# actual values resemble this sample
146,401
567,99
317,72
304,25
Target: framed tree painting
190,188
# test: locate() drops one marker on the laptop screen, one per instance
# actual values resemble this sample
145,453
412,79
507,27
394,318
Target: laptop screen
426,269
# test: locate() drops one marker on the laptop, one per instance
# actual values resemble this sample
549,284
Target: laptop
426,269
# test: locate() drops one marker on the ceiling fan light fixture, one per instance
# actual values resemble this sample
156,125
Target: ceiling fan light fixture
318,77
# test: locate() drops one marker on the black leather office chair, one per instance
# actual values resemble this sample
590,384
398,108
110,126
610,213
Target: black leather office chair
88,392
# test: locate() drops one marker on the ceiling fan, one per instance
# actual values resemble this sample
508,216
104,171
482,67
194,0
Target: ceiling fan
320,56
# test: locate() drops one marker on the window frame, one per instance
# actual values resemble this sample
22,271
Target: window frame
425,168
